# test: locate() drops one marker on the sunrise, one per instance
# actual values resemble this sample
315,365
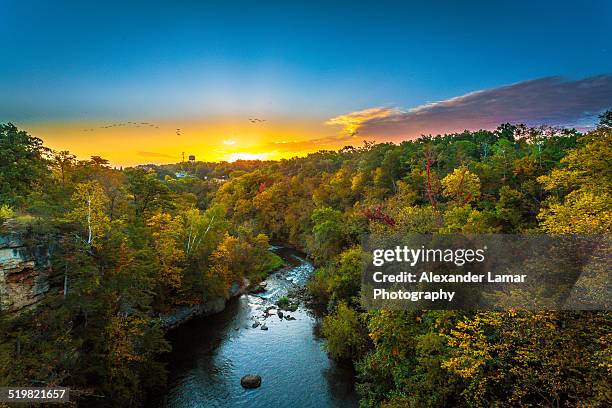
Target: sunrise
318,204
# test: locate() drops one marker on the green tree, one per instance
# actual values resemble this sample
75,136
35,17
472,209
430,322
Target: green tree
328,233
148,193
23,164
344,333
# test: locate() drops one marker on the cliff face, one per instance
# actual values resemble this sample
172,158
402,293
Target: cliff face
24,272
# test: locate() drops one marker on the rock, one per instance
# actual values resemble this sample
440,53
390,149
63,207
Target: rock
234,289
287,317
255,324
183,314
264,327
280,314
24,271
250,381
259,288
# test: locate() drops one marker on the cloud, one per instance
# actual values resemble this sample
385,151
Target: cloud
309,145
351,122
551,101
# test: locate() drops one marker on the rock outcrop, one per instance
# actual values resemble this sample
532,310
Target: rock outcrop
24,273
183,314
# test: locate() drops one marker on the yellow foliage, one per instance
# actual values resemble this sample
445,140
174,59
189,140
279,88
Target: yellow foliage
166,233
461,186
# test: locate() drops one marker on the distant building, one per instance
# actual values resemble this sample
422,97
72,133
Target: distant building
191,158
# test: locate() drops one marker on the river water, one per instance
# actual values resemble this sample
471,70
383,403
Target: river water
211,354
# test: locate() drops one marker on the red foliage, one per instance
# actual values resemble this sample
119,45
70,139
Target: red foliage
376,214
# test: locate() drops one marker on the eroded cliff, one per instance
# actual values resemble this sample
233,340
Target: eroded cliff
24,272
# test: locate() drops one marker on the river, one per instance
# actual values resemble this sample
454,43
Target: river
211,354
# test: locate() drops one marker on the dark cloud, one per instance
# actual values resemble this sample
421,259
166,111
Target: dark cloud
551,101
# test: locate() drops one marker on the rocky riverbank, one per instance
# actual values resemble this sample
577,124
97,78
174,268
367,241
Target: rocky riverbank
183,314
261,345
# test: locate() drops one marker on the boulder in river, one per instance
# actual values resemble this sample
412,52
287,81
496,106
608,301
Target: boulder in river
264,327
255,324
250,381
280,314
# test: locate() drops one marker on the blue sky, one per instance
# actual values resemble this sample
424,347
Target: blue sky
66,61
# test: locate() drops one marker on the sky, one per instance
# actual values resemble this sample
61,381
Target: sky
144,81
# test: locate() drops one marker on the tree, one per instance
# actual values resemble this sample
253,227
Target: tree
327,232
344,333
549,358
605,120
147,191
512,209
166,232
23,165
202,231
63,161
89,210
461,186
583,187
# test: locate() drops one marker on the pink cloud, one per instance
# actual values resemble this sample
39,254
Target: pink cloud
552,101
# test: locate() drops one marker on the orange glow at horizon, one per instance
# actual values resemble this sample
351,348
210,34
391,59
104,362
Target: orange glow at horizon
155,142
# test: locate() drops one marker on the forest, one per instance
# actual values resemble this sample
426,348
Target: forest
131,244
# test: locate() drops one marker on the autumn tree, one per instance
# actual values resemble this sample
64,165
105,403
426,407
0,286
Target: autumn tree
89,210
461,186
166,232
582,188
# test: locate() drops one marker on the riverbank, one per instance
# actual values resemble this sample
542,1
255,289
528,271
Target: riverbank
210,355
183,314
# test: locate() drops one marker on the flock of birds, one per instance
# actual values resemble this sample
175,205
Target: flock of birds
124,124
152,125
